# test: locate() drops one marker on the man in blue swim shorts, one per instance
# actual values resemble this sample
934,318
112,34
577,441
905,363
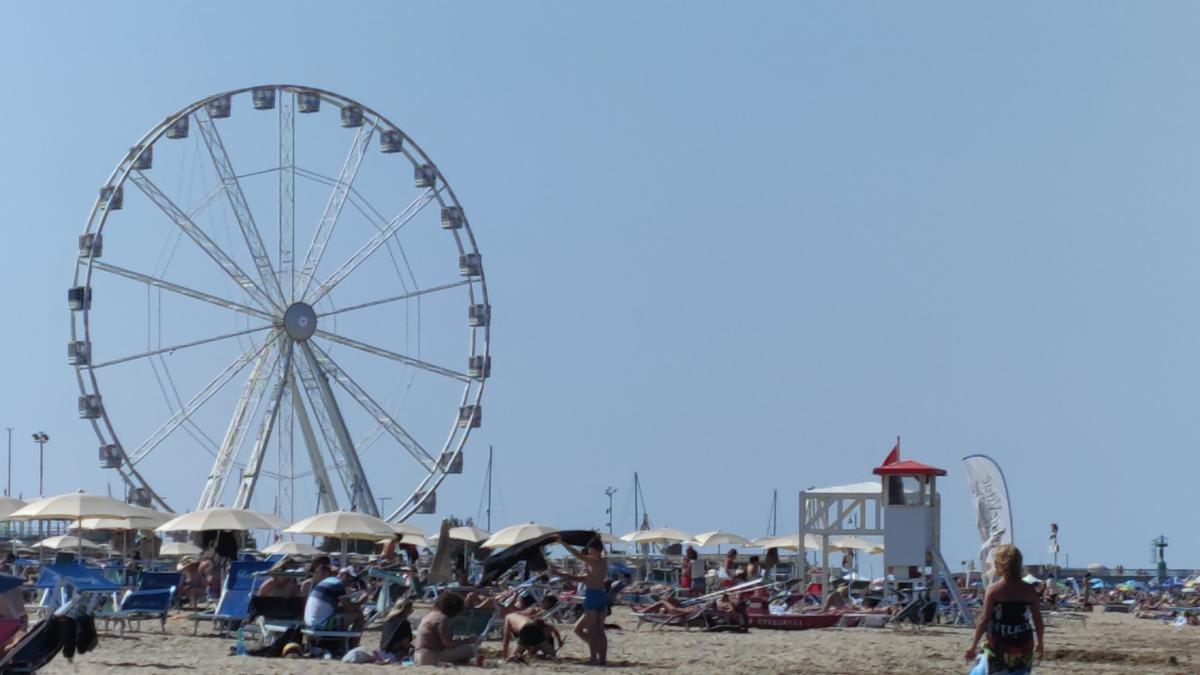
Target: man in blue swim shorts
590,627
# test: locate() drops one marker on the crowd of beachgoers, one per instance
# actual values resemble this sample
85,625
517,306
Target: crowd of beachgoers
405,603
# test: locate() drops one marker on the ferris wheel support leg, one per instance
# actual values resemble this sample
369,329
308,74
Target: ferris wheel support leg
326,498
361,496
236,433
254,464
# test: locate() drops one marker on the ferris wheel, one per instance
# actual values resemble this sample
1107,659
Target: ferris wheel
247,319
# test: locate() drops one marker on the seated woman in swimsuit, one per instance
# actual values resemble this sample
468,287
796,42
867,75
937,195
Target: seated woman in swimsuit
1009,608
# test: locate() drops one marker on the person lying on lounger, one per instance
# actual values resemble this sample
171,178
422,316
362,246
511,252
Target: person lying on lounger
534,635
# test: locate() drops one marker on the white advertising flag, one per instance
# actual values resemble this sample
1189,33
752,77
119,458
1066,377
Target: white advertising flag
993,512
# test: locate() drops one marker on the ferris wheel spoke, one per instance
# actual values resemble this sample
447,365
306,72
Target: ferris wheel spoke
181,290
333,208
235,434
365,207
326,498
374,409
156,195
395,298
287,193
184,345
198,400
315,381
373,244
263,438
237,200
379,351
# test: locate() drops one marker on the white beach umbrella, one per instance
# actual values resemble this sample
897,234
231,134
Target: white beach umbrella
344,524
411,539
72,506
178,548
658,535
789,542
470,534
718,538
64,542
856,543
292,548
8,505
221,518
138,523
408,528
515,534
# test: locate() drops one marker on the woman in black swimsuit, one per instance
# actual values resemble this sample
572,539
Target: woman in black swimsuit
1011,616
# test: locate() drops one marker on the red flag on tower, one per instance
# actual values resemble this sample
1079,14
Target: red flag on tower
894,455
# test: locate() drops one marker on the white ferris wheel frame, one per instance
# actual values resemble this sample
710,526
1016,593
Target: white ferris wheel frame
306,368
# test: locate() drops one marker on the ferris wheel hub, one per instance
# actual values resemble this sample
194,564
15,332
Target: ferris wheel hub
300,321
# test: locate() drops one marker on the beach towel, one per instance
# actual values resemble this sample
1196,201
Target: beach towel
529,552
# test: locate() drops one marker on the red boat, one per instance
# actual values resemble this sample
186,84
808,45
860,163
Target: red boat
759,615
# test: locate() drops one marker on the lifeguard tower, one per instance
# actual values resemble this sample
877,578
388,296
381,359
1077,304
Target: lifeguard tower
903,507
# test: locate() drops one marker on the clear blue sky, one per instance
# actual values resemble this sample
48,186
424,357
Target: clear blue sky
732,247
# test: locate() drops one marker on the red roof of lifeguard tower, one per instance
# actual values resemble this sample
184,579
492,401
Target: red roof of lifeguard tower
894,466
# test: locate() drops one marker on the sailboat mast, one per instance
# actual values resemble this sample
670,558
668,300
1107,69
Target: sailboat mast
637,521
489,490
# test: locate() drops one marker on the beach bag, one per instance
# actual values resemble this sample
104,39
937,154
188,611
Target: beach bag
981,664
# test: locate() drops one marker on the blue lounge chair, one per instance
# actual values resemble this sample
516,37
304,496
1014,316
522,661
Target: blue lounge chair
234,605
61,583
138,605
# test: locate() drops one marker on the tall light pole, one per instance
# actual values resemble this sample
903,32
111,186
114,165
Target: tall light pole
610,491
40,438
8,485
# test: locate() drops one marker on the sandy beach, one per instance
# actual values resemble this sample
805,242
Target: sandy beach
1110,643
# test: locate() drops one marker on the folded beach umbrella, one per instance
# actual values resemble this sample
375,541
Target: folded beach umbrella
221,518
64,542
470,534
718,538
178,548
291,548
657,535
515,534
789,542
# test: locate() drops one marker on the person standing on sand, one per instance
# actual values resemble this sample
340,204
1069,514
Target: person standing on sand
590,628
1009,608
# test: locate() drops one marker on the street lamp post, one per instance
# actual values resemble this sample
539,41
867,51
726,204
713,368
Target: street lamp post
40,438
610,491
8,485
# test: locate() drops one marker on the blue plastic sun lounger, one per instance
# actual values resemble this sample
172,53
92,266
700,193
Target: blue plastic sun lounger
61,583
140,605
234,605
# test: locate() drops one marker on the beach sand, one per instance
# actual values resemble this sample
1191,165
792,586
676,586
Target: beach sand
1110,643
